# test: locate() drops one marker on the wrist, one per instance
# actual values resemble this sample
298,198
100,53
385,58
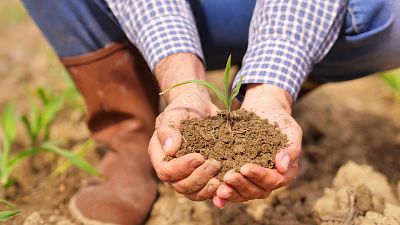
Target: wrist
270,95
178,68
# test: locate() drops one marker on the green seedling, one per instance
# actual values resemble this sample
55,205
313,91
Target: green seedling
392,79
64,165
226,97
38,123
9,214
9,161
9,128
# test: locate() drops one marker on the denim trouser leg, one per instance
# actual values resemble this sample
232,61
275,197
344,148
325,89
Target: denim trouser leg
75,27
369,42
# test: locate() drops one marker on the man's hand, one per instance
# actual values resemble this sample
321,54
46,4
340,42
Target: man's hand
190,174
253,181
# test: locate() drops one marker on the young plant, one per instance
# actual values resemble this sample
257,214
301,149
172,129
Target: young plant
226,97
8,124
38,123
392,79
9,214
9,161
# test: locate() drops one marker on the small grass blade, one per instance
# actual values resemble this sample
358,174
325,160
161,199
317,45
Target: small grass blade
81,151
75,159
6,203
8,215
235,91
392,80
219,94
41,93
20,156
8,123
226,77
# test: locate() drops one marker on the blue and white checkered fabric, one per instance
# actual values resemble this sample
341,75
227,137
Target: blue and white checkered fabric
286,38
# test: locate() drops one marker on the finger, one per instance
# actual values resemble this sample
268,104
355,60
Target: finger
219,202
225,191
287,156
177,168
198,178
243,186
207,192
268,179
168,131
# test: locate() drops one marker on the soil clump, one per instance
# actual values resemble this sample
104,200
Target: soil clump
247,139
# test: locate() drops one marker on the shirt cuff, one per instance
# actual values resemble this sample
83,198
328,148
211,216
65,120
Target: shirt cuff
278,62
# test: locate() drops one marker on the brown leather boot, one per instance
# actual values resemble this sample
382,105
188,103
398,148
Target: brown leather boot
121,96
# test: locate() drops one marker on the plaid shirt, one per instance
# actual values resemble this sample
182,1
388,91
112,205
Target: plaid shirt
286,37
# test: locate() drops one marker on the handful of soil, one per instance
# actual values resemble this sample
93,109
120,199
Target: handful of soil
248,139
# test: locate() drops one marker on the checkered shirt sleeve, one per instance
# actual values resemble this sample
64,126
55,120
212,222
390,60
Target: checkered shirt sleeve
158,28
287,37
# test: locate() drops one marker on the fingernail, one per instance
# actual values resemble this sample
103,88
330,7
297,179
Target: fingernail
245,170
219,202
285,161
228,175
226,194
211,168
167,144
195,163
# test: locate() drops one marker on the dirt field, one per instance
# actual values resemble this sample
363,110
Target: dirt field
352,121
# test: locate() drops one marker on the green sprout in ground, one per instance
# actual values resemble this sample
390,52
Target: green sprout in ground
9,214
392,79
227,97
37,126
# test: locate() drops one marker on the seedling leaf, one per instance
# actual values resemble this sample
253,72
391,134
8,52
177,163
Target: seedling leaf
8,124
81,151
75,159
392,80
42,95
226,76
6,203
8,215
219,94
235,91
28,126
20,156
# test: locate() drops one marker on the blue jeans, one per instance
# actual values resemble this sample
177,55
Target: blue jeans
369,41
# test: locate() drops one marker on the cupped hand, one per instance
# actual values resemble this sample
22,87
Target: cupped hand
190,175
253,181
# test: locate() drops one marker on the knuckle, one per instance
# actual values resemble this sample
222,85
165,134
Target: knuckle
191,197
196,182
181,170
158,120
196,197
163,176
179,188
202,195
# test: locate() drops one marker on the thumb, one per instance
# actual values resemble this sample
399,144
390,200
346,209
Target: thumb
290,154
168,133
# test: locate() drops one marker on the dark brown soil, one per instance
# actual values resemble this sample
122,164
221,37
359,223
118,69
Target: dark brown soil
248,139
